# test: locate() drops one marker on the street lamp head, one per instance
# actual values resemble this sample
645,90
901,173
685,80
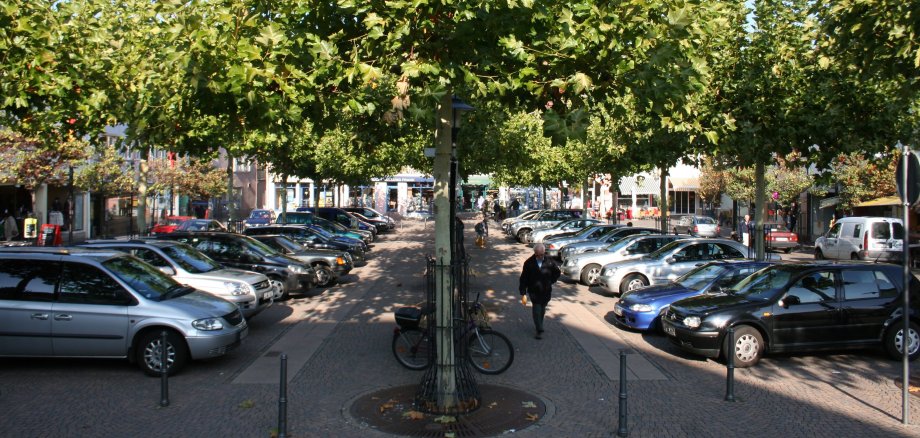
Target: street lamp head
459,107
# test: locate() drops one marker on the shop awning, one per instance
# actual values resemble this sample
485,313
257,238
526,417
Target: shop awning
685,184
881,202
477,180
829,202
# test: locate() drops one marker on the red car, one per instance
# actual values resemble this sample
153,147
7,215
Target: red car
171,223
777,237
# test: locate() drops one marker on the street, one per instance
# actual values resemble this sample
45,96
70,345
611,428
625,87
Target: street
338,346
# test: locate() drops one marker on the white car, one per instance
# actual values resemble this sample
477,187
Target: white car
669,262
252,292
586,267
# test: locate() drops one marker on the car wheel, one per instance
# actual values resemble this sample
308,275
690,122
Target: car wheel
748,346
279,285
819,255
632,282
894,341
523,236
149,352
854,256
590,273
787,250
324,275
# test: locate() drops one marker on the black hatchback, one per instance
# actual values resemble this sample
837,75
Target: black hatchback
312,238
800,307
289,275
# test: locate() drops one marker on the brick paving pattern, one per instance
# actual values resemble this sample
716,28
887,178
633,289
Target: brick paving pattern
347,354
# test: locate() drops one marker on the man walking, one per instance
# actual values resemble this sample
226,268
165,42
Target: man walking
537,278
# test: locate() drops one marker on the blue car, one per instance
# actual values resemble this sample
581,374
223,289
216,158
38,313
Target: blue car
641,309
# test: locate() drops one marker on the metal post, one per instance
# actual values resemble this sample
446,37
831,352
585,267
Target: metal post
730,374
164,371
622,430
282,400
905,339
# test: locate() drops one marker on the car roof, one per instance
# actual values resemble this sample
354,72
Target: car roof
151,242
61,251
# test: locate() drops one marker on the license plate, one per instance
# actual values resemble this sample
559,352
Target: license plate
267,295
669,329
618,310
781,239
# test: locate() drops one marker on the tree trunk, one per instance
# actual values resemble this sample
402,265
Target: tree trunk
143,169
284,202
663,205
229,204
760,200
447,387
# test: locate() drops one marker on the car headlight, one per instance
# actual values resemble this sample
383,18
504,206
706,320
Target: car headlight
208,324
236,288
297,269
641,308
551,246
692,321
608,271
340,260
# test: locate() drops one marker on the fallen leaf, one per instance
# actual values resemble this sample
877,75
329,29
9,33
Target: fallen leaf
413,415
445,419
528,404
247,404
492,405
450,435
532,417
390,404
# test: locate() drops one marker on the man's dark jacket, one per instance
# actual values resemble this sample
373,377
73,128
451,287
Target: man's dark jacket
538,281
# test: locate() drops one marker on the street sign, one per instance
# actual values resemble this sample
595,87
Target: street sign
913,178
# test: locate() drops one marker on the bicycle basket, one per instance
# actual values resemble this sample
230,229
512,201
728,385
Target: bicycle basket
479,315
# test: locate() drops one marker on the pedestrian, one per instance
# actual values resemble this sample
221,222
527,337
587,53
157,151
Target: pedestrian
745,230
10,229
793,215
515,205
537,277
481,202
480,234
485,222
750,230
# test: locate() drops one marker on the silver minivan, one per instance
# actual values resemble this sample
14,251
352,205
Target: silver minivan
863,238
76,302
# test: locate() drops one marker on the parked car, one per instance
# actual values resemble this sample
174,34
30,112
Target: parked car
642,308
308,218
863,238
553,244
801,307
342,217
313,238
669,262
259,218
201,225
545,219
288,275
697,226
170,224
506,223
328,264
586,267
77,302
779,238
250,291
564,228
567,248
370,213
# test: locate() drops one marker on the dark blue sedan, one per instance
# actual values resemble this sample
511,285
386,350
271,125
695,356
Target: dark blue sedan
641,309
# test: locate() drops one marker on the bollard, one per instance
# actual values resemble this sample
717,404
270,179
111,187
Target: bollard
164,371
730,375
622,429
282,400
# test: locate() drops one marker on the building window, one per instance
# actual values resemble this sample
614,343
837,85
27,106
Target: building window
683,202
242,165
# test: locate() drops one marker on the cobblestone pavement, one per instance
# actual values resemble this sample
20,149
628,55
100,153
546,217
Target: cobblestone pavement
833,395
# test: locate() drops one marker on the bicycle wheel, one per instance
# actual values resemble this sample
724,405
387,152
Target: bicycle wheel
412,349
490,352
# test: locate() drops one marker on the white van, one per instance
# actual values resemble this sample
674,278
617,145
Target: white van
863,238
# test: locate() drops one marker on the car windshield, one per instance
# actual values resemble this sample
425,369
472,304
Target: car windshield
764,283
175,220
370,213
297,218
191,259
622,243
318,229
665,250
258,247
330,225
775,227
145,279
259,214
700,277
286,243
705,221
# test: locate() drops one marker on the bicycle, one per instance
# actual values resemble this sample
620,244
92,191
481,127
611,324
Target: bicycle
488,351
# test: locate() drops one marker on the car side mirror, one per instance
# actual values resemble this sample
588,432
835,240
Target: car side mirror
789,300
671,260
167,270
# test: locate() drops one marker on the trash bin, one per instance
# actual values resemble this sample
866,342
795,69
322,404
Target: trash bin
629,213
